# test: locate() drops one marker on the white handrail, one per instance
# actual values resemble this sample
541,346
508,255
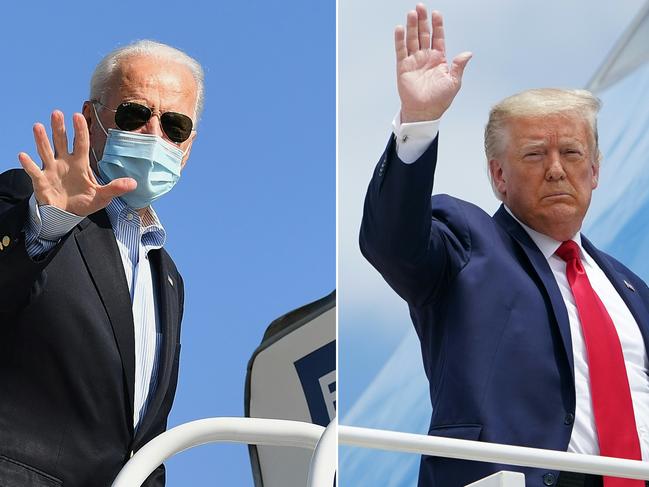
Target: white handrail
491,452
255,431
322,470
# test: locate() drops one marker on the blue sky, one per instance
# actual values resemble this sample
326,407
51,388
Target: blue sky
251,224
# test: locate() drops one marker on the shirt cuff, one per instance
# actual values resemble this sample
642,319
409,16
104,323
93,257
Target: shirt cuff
413,138
48,222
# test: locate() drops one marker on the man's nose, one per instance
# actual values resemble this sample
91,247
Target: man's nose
555,171
152,126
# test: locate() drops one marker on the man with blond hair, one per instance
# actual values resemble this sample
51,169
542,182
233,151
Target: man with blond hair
92,304
530,335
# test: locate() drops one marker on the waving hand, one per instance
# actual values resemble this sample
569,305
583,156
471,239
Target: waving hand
66,179
427,84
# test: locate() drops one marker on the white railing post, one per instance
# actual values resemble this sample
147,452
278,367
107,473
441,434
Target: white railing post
255,431
322,470
501,479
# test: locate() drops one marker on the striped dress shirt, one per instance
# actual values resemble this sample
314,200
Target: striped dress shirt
135,238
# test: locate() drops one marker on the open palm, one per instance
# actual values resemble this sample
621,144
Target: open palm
66,179
427,84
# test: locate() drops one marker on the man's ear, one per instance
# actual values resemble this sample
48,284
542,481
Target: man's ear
595,175
86,111
188,150
498,175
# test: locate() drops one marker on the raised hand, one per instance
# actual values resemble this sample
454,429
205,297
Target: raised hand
66,179
425,82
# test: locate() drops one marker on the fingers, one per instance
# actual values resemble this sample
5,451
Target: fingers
438,43
418,32
43,144
81,144
400,43
423,27
412,32
31,168
459,63
59,136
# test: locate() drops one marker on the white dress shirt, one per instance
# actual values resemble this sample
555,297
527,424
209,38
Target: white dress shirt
584,435
412,141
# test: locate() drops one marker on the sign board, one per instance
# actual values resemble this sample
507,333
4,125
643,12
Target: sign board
292,375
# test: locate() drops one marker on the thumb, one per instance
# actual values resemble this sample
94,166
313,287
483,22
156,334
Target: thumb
117,187
459,63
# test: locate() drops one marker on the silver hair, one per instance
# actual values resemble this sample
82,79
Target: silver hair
106,67
538,103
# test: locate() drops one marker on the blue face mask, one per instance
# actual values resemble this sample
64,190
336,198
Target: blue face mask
153,162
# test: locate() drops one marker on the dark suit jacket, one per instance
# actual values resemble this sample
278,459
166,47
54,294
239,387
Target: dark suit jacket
67,360
494,330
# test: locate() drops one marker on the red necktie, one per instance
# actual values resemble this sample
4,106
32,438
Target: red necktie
609,384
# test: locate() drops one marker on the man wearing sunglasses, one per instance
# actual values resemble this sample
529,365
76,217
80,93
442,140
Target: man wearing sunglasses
92,304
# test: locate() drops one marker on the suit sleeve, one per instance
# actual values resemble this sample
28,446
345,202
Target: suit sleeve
417,244
19,271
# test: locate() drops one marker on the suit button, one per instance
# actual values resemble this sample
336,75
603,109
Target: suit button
569,419
6,241
549,479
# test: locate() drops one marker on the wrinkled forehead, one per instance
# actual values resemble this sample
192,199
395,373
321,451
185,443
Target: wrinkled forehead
554,127
162,84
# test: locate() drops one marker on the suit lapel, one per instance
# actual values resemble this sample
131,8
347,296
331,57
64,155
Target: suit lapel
167,302
100,253
542,268
630,298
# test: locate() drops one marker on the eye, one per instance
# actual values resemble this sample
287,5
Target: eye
572,153
532,155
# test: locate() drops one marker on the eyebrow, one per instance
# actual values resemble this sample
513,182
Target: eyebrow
570,140
536,144
532,145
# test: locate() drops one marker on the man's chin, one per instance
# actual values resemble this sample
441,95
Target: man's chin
562,218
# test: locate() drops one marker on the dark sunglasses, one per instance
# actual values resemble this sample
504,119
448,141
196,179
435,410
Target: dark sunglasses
130,116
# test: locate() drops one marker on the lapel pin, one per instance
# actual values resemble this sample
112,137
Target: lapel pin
171,281
629,285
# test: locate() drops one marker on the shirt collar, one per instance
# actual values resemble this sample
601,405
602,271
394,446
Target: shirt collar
547,245
118,211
